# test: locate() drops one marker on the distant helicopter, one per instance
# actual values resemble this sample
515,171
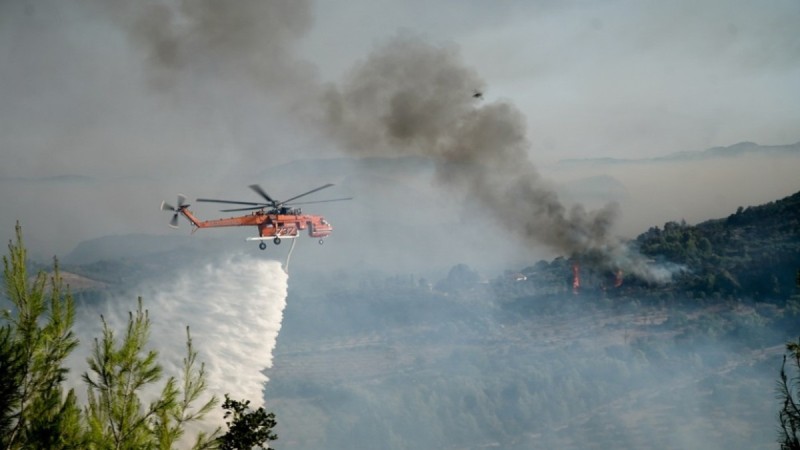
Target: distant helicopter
275,220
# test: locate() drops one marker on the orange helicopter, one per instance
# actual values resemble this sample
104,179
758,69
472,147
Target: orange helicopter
280,221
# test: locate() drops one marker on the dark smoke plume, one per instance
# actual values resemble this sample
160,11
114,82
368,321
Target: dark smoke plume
410,97
246,40
407,98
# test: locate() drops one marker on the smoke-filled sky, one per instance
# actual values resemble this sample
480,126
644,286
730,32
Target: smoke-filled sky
107,106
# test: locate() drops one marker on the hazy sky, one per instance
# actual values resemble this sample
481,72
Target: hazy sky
136,101
614,78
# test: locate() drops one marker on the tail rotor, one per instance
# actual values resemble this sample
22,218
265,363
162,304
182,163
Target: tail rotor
177,210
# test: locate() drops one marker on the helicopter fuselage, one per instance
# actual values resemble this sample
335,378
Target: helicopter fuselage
269,225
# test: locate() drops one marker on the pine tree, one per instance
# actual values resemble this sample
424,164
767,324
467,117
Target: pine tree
35,413
788,393
38,336
10,374
170,423
119,371
789,415
247,428
118,374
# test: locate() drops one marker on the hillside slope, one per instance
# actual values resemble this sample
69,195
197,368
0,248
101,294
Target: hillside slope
754,252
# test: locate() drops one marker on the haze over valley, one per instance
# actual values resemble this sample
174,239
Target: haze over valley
521,359
573,225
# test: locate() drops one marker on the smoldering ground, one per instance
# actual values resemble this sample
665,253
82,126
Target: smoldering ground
385,362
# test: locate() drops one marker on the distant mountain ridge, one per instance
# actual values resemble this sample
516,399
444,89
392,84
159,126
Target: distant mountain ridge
60,179
383,188
133,246
740,149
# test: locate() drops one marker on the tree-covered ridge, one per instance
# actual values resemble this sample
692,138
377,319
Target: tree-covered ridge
754,252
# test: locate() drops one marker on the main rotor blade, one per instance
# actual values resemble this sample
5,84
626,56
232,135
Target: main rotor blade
233,202
253,208
261,192
309,192
320,201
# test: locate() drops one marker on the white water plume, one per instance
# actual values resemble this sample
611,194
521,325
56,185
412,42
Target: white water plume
234,308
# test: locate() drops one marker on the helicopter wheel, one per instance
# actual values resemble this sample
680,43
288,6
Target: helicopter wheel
277,241
262,246
321,241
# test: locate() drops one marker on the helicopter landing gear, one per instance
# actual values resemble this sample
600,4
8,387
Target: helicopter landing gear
262,246
277,241
321,241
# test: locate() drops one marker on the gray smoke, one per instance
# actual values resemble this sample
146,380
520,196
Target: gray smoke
247,40
407,98
413,98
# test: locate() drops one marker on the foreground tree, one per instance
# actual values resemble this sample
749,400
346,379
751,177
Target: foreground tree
169,424
37,338
35,413
789,392
246,428
120,371
10,370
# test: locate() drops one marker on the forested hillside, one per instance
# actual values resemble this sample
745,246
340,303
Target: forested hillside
525,361
753,254
369,359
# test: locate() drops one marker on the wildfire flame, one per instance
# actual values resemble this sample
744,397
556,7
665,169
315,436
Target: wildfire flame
618,279
576,278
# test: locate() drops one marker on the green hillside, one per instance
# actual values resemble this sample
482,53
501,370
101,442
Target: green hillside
753,253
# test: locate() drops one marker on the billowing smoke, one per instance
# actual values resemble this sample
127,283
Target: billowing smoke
234,308
413,98
406,98
186,43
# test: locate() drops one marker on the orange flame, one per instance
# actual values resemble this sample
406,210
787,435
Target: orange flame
618,279
576,278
